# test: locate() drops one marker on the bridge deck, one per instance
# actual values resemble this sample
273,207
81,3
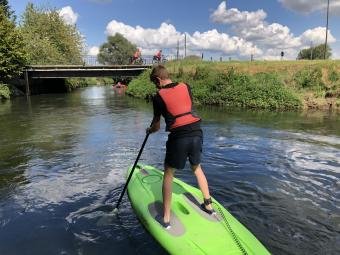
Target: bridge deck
70,71
33,67
61,71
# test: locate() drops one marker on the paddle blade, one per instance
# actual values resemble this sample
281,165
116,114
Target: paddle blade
108,218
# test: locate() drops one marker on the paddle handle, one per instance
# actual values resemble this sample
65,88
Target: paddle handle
133,169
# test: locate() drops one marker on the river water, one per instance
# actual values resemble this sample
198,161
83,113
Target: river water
63,160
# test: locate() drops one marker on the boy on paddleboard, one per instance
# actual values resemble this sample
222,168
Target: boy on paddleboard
173,101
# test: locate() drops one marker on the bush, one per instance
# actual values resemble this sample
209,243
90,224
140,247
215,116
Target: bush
263,91
4,91
74,83
333,76
142,87
308,78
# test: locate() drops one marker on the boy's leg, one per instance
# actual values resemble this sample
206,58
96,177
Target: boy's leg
175,158
167,191
202,183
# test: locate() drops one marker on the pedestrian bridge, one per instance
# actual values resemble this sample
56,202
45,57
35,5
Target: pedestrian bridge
92,68
72,71
68,71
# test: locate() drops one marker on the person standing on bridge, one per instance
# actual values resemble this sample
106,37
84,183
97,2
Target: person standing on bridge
174,102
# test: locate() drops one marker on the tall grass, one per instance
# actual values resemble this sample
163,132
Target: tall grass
229,88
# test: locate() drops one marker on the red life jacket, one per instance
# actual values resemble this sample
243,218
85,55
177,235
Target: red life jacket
179,105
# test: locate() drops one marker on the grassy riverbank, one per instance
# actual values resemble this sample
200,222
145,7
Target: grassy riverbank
281,85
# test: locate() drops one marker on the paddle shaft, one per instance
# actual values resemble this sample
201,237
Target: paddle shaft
133,169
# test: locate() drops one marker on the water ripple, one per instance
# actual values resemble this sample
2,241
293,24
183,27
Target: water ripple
62,173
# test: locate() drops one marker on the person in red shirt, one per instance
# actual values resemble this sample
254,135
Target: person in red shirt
173,101
137,55
158,56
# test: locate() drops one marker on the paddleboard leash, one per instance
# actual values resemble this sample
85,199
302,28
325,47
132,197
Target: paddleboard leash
237,241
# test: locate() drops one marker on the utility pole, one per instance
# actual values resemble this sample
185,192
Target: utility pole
252,55
185,45
311,50
177,56
326,29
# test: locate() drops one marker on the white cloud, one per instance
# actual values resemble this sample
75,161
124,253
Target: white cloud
269,38
268,35
336,52
68,15
166,36
93,51
309,6
252,26
234,16
316,36
213,40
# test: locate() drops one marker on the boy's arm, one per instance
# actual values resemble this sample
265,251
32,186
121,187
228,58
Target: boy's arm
155,125
157,112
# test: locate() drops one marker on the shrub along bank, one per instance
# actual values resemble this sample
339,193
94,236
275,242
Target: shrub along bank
4,91
75,83
211,87
260,85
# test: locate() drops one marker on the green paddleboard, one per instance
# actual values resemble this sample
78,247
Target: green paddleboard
192,230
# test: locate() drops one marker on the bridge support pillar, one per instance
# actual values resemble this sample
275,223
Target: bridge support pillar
28,92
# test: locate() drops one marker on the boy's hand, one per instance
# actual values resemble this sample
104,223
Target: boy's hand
154,127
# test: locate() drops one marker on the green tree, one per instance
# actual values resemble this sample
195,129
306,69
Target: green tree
6,8
12,53
317,52
117,50
48,39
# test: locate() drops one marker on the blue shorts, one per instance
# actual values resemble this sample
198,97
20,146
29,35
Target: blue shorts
180,149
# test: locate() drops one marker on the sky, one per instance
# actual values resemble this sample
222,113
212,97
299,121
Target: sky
233,29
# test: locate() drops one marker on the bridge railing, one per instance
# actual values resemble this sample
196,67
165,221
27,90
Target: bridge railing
143,60
91,60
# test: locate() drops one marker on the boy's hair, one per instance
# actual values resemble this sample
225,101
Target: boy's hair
160,72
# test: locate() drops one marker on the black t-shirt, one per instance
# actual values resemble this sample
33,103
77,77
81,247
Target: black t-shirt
193,129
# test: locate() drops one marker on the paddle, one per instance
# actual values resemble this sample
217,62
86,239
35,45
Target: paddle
131,173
